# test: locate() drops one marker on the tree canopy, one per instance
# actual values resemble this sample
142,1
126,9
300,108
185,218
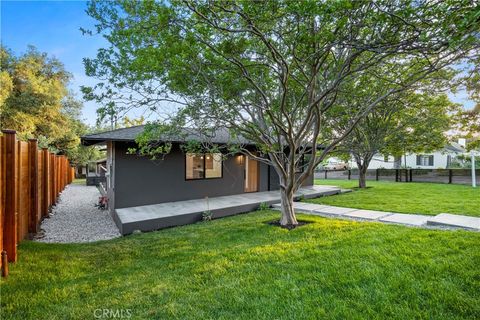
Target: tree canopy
270,71
35,101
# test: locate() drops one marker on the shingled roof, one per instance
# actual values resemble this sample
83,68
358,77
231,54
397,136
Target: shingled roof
221,136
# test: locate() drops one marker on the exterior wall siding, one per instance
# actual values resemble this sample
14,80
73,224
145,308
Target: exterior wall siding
138,181
141,181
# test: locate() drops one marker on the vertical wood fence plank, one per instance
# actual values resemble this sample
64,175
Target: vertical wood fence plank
9,218
46,180
39,185
55,178
2,190
33,216
23,191
52,179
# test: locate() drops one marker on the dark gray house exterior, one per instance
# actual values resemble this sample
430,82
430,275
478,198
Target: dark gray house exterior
134,180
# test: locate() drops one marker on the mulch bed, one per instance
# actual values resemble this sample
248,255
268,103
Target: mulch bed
276,223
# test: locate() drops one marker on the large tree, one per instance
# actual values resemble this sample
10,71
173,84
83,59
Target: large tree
468,127
269,71
469,120
35,100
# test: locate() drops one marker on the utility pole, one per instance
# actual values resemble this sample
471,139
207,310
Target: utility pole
474,179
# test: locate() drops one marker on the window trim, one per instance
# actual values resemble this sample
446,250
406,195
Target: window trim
428,157
204,167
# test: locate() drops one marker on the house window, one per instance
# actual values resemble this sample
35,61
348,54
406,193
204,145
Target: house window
423,160
213,165
203,166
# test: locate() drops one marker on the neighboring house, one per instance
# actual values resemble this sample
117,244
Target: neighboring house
441,159
133,180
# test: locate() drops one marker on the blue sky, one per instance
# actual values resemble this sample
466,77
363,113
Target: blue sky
53,27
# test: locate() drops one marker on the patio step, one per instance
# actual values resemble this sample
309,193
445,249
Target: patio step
175,213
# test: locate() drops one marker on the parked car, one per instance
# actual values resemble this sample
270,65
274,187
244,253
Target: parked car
335,164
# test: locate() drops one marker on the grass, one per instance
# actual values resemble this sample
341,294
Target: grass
420,198
79,181
239,267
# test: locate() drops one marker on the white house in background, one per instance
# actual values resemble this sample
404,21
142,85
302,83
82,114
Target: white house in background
440,159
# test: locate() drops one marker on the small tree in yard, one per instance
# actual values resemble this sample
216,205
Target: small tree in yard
408,122
271,71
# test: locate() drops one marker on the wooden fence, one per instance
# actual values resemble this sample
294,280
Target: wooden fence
30,181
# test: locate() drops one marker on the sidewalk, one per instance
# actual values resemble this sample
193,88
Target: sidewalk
443,220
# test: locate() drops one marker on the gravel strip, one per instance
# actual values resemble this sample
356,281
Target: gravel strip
76,219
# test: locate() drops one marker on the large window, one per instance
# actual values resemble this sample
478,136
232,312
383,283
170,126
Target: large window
203,166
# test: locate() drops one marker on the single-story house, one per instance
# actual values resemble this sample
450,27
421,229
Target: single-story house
133,180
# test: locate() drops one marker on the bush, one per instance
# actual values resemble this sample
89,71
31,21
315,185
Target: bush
207,215
263,206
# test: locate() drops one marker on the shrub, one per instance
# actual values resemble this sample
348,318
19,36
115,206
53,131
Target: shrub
263,206
207,215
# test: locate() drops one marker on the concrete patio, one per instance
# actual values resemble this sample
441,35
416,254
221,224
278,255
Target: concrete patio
169,214
443,220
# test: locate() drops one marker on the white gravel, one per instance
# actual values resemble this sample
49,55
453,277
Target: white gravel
76,219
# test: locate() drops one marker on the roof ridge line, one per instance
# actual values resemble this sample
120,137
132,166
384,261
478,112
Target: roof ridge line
119,129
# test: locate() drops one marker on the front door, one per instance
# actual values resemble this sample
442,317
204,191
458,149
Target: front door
251,175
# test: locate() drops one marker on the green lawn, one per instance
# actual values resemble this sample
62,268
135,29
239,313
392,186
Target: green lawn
79,181
239,267
421,198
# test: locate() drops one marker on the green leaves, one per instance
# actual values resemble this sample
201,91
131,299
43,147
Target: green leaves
283,74
35,101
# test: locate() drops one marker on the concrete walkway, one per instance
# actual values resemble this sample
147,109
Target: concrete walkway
443,220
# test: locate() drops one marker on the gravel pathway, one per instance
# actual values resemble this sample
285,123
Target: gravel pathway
76,219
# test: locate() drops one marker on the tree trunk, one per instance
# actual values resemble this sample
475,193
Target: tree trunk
288,218
362,177
397,162
362,169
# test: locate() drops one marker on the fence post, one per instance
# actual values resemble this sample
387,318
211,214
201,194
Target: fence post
33,178
450,175
326,173
396,175
349,174
45,181
411,175
10,217
376,174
